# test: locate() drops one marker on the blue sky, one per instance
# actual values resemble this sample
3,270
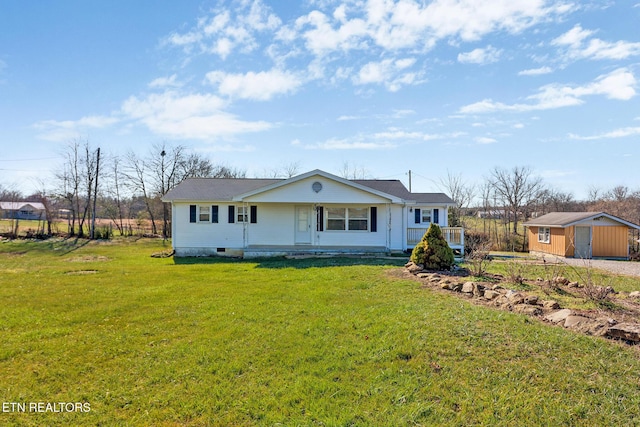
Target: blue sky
436,87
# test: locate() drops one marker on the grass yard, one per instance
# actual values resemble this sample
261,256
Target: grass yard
335,342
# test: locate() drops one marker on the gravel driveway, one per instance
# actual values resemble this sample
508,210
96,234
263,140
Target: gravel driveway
629,268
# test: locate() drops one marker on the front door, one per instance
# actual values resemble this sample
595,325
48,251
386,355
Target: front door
583,243
303,225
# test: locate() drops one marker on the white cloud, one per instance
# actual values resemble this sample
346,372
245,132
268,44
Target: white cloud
535,71
346,118
480,56
578,46
260,86
394,134
193,116
617,133
485,140
64,130
388,72
574,37
165,82
228,30
349,144
619,84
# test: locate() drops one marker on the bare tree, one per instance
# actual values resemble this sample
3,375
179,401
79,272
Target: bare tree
112,202
461,192
349,171
136,175
75,182
516,188
89,166
43,196
285,170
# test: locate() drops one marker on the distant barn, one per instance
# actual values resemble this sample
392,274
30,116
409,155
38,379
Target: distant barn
23,210
580,235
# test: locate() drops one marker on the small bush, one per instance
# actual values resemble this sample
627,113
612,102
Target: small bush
433,251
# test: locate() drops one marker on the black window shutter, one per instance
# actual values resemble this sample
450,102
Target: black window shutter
417,218
436,216
214,213
232,214
254,214
320,217
374,219
193,216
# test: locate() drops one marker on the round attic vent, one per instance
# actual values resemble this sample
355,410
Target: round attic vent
316,186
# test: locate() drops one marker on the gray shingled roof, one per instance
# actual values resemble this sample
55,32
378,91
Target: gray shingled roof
225,189
219,189
566,219
397,188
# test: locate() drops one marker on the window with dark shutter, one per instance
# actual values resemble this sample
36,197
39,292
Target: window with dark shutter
418,218
253,214
436,216
193,215
232,214
320,218
374,219
214,214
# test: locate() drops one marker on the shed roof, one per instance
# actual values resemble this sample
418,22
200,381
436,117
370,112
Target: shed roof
568,219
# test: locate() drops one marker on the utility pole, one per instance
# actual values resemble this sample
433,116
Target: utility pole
409,180
95,197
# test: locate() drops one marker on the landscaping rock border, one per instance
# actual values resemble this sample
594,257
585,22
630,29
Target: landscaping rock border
495,295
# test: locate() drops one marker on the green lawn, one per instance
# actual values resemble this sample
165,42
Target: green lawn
334,342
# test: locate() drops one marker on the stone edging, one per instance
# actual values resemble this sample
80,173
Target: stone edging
520,302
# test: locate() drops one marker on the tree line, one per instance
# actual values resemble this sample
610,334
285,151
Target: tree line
90,183
510,196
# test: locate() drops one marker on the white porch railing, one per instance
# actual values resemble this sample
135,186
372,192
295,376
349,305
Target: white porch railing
453,235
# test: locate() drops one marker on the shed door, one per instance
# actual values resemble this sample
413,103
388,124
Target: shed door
583,243
303,225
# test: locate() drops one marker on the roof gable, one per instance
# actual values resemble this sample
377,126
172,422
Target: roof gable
320,176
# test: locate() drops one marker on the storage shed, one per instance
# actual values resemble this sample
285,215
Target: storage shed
580,235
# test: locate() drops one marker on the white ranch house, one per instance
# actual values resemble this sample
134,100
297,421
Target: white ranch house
312,213
23,210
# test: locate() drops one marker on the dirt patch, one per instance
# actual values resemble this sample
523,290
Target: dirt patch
81,272
14,254
89,258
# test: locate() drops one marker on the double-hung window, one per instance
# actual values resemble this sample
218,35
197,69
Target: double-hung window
347,219
204,214
241,214
544,234
358,219
336,218
426,216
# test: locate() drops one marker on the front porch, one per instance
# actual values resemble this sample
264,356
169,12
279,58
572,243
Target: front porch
453,235
258,251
